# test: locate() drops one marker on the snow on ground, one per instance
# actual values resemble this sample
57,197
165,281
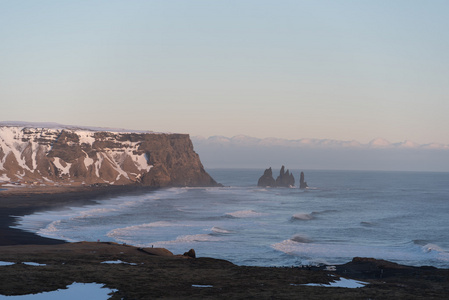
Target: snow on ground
52,125
64,170
14,140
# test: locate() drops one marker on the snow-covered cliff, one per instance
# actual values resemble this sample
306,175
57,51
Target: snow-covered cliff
57,154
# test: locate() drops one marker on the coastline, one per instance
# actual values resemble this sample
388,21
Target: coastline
158,273
20,201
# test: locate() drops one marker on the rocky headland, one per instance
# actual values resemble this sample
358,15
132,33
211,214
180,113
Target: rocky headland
53,154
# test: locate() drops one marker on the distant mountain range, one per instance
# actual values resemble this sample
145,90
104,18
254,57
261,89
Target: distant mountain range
379,154
243,140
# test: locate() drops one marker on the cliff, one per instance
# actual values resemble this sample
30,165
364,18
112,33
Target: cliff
56,154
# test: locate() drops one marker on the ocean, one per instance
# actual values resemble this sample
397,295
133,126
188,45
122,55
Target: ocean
397,216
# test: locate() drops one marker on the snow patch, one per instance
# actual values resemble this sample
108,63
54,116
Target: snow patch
86,137
15,137
142,162
59,164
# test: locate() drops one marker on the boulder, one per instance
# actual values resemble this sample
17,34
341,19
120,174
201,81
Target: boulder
267,179
302,183
190,253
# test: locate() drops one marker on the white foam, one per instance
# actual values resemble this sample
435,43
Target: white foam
127,230
6,263
301,238
220,230
246,214
189,239
133,234
341,253
302,216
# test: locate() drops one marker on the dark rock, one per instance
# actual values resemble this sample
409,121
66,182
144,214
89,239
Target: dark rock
302,183
267,179
190,253
285,179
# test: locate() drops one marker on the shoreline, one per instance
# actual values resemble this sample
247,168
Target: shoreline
21,201
158,273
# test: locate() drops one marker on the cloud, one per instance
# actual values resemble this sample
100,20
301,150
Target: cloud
243,140
379,154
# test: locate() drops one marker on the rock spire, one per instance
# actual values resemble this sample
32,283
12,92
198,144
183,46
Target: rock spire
285,179
267,179
302,183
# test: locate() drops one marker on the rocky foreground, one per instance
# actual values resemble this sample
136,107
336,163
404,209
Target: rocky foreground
156,273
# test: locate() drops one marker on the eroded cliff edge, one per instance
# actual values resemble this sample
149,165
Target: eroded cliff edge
80,156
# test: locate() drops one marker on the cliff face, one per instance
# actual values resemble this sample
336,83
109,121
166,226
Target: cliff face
65,155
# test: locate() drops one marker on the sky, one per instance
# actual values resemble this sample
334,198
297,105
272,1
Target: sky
345,70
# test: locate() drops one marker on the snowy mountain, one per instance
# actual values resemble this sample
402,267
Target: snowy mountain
242,140
308,153
50,154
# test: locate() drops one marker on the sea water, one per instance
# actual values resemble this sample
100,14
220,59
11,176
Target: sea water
397,216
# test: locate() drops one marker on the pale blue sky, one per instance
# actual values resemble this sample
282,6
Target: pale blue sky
290,69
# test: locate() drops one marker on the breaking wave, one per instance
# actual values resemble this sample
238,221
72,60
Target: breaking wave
409,254
189,239
245,214
220,230
301,239
302,216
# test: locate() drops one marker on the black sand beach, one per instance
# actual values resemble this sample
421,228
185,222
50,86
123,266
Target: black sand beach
23,201
157,273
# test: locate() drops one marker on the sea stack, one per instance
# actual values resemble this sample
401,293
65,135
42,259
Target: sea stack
285,179
267,179
302,183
